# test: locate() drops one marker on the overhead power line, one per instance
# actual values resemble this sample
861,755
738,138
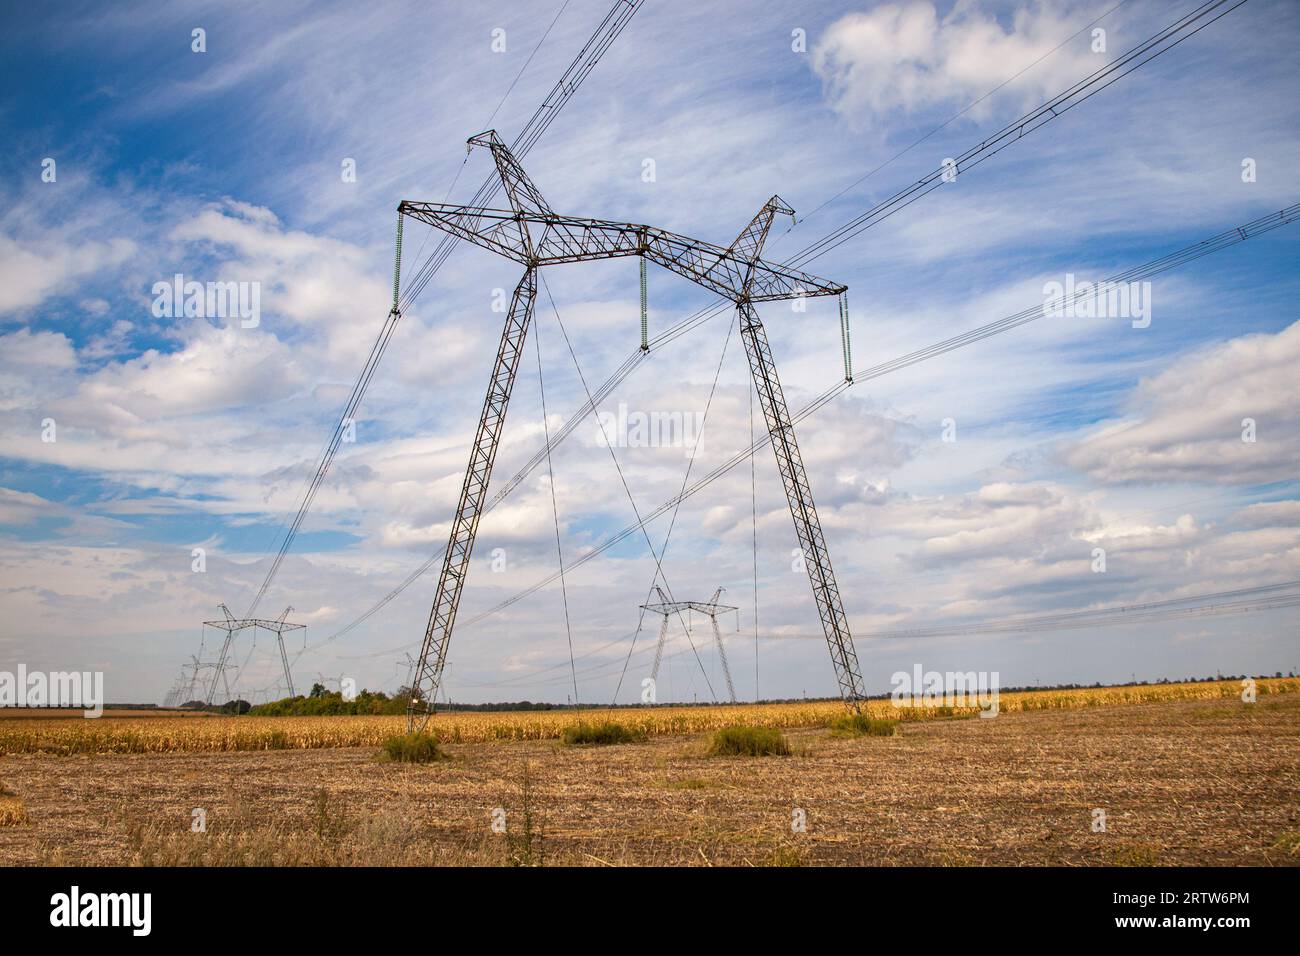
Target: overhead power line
1221,241
1161,42
1216,243
1242,600
1215,604
606,33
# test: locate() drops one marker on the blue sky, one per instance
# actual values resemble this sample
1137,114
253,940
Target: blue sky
174,434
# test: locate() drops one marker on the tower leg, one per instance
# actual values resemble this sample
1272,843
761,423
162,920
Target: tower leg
659,652
455,563
807,526
722,656
220,673
284,659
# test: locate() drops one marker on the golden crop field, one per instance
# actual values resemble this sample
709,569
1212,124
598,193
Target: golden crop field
108,735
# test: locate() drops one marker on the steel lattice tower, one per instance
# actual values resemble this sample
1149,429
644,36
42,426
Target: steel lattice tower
711,609
232,626
533,235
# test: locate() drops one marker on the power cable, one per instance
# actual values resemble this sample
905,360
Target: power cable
659,570
590,54
555,508
1084,89
1181,257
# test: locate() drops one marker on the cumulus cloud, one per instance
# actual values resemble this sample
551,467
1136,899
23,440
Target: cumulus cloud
49,351
26,358
1270,514
30,271
219,368
1187,423
906,57
314,281
1026,547
999,520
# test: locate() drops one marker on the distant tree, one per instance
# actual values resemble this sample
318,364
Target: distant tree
317,690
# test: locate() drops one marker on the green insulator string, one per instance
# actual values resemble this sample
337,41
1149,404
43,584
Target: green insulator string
844,336
397,263
645,328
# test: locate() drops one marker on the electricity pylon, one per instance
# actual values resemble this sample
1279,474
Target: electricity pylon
191,685
530,233
711,608
233,625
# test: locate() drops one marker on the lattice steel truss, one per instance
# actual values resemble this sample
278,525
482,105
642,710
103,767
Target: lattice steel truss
711,609
532,234
232,626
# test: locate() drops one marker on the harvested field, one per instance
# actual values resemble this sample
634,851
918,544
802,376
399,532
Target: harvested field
1180,782
114,713
113,735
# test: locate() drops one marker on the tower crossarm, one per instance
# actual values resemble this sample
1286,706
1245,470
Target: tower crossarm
542,239
242,623
675,607
498,230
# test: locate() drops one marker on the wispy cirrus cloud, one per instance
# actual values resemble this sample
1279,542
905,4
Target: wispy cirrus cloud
194,432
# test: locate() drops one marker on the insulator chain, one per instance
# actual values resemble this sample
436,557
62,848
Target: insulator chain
645,328
844,336
397,263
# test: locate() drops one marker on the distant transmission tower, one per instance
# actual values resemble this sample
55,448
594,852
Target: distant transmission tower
711,608
193,669
232,625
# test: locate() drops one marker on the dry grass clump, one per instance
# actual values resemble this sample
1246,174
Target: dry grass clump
602,734
413,748
326,833
786,856
742,741
1288,843
860,725
1136,854
12,811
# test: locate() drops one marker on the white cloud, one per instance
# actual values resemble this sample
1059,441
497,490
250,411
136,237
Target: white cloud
904,56
1187,422
48,351
219,368
1002,520
218,429
1270,514
27,360
30,271
21,507
319,283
